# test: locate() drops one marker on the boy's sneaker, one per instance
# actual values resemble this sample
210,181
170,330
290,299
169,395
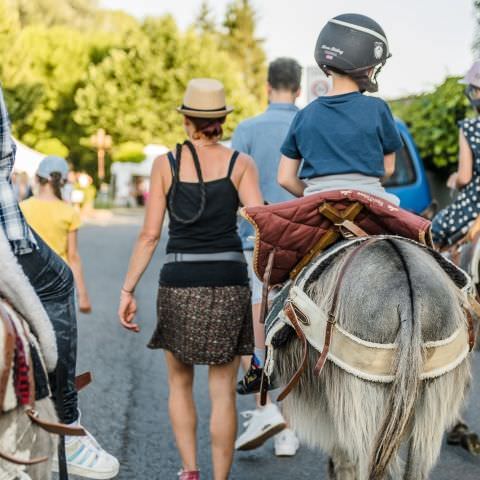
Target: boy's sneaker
252,380
86,458
286,443
261,424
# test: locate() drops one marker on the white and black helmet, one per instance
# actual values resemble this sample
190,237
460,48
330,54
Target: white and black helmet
353,44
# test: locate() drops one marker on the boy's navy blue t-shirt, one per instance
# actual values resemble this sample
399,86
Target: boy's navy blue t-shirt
347,133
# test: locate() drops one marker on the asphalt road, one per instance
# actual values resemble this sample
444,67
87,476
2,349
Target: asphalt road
126,406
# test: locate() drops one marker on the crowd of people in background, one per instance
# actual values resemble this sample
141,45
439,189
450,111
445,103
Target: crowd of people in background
78,189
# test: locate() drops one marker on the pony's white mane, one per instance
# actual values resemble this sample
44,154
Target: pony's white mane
16,289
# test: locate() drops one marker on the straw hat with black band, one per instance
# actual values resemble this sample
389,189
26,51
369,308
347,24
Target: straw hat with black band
204,98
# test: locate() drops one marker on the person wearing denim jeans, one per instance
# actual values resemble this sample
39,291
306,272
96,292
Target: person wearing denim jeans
53,282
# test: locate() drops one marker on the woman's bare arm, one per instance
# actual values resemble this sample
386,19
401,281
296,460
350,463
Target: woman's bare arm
287,176
146,243
249,185
465,162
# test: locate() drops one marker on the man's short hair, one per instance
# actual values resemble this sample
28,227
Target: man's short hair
285,74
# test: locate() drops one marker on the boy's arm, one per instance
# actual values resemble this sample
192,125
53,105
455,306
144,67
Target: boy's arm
288,176
389,164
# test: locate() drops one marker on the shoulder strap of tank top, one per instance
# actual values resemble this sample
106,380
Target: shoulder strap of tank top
171,161
232,163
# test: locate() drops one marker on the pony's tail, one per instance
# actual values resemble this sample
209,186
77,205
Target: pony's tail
405,387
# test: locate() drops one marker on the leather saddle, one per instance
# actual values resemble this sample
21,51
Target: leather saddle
290,234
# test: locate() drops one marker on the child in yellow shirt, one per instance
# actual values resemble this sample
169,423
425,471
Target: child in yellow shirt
56,221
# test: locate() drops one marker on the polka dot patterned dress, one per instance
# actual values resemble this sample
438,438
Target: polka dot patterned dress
458,217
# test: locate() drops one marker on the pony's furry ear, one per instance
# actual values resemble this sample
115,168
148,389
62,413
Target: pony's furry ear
16,289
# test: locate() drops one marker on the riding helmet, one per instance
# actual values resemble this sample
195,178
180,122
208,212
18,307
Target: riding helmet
352,44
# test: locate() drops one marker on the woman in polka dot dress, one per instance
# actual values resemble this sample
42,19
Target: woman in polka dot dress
455,220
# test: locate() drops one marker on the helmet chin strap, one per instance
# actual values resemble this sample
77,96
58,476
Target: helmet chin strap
365,82
360,76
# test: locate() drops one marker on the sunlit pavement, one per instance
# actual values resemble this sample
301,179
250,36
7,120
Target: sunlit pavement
126,407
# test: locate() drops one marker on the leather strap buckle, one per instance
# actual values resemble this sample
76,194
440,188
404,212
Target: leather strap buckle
332,318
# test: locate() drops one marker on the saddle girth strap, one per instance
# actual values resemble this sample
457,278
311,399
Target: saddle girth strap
332,314
292,316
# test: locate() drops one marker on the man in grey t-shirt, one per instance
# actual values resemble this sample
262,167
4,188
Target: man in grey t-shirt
261,137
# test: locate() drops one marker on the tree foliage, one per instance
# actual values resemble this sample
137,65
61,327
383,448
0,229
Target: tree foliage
241,42
433,121
69,68
205,21
75,13
133,92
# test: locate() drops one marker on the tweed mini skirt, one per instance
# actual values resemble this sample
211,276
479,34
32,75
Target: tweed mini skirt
204,325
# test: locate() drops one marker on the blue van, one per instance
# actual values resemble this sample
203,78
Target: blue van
409,181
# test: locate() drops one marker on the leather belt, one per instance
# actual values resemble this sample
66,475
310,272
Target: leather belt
205,257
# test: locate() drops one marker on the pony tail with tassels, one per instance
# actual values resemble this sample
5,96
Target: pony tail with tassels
405,387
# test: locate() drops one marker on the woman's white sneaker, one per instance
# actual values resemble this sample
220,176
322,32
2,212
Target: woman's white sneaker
286,443
86,458
261,424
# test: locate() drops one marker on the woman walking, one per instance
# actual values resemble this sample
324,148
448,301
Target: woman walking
204,314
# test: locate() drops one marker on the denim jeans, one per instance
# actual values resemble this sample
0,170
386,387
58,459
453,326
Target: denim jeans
53,282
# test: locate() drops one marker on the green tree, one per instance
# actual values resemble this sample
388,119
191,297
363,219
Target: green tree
133,92
9,26
433,121
205,22
241,42
76,13
128,152
41,71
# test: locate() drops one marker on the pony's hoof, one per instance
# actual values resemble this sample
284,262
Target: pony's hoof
471,443
457,433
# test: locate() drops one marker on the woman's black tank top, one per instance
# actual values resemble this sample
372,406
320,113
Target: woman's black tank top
214,231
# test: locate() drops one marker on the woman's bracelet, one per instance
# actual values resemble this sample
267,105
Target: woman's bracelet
130,292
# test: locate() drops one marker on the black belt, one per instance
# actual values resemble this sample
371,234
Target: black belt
205,257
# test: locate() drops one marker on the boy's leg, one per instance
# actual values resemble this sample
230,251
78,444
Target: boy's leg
52,280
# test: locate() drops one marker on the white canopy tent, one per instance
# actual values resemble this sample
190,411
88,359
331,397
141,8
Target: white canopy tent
26,159
123,174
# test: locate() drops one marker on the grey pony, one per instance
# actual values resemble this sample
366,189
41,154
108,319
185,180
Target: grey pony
393,292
